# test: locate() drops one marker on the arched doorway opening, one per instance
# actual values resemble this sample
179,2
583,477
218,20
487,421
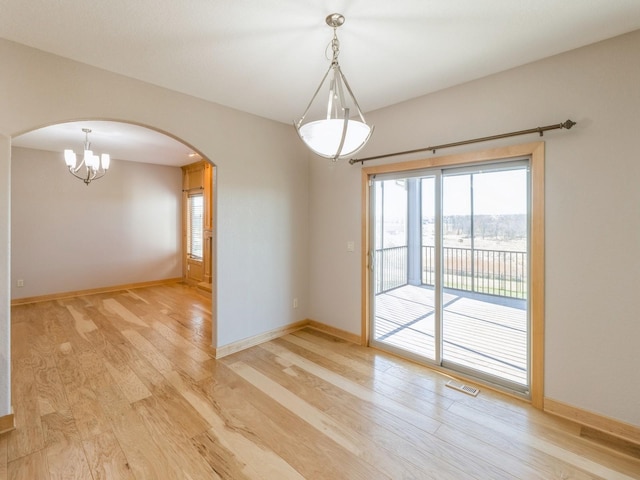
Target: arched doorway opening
124,229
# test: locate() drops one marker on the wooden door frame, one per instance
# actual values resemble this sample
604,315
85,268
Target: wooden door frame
535,153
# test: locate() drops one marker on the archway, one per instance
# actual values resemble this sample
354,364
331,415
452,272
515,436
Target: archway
124,229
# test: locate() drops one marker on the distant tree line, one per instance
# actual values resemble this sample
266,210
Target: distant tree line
491,227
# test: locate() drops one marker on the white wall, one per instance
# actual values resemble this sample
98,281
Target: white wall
592,209
262,175
67,236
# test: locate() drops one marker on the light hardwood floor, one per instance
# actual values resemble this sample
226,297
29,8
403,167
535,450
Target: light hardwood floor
124,385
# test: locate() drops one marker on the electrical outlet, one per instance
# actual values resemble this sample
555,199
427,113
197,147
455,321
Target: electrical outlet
295,303
20,283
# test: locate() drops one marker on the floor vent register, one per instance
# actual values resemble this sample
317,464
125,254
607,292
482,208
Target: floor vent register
463,388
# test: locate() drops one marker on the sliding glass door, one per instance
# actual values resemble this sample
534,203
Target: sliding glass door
451,269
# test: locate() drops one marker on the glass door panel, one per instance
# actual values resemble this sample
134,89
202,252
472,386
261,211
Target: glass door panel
485,258
403,305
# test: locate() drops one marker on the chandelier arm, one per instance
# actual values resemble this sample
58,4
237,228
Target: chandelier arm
355,102
78,167
97,176
72,172
299,122
86,180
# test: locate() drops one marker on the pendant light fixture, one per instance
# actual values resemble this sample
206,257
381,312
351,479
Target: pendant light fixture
336,135
95,167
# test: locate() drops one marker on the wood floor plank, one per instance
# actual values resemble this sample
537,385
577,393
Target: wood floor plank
67,461
64,451
223,462
187,347
177,412
106,459
118,309
196,370
145,457
118,363
149,352
89,416
27,438
234,453
59,427
51,394
173,441
30,467
82,323
132,387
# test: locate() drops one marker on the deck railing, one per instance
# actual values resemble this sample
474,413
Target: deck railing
493,272
391,268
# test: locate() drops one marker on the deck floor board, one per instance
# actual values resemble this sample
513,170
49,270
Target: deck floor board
482,332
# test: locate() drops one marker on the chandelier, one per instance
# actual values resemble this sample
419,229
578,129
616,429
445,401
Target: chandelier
337,134
94,167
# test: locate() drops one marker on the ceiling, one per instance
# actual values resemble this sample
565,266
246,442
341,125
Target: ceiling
122,141
267,57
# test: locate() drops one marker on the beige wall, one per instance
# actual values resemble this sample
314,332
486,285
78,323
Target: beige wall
592,209
66,236
262,175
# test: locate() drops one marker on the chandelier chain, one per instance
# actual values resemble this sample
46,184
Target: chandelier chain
334,45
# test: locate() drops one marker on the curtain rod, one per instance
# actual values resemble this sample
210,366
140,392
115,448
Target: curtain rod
568,124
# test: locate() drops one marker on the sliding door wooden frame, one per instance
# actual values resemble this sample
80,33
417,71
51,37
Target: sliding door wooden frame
535,152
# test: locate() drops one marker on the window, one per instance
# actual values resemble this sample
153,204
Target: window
195,216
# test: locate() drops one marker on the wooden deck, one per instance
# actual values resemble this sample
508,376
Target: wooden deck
483,332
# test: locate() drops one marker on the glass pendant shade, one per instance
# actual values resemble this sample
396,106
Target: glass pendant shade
105,159
70,158
336,134
88,158
323,137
